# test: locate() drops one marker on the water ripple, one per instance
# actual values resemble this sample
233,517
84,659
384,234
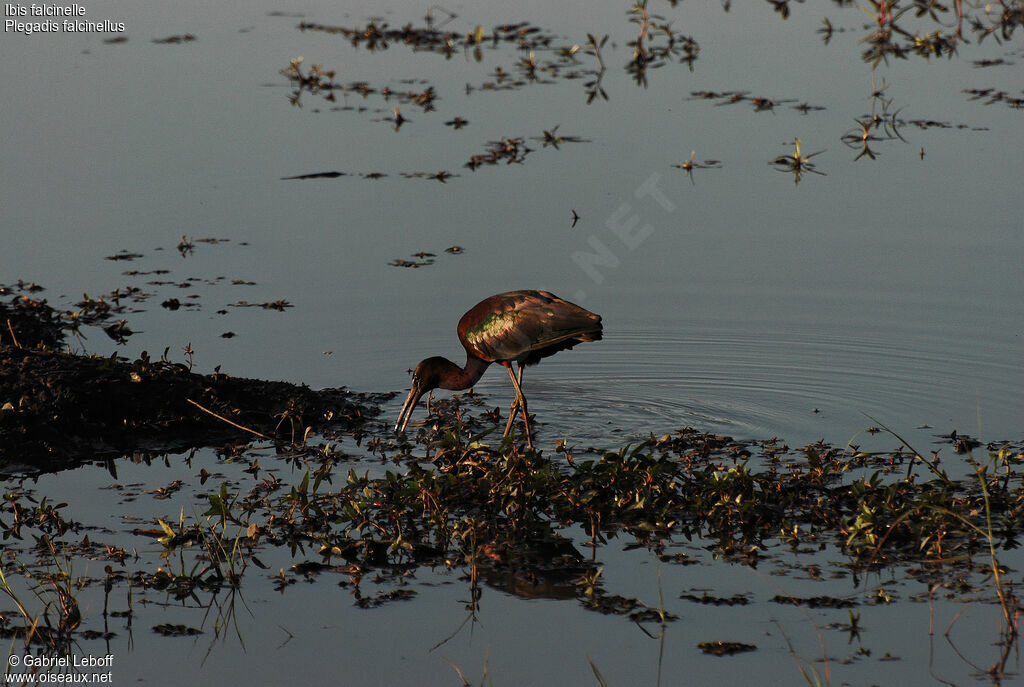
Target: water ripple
797,385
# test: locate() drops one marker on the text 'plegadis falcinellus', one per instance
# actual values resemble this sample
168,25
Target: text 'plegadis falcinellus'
518,326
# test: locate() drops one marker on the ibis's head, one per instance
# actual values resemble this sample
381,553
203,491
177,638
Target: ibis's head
427,377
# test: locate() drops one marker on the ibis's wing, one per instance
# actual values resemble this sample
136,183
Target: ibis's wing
525,326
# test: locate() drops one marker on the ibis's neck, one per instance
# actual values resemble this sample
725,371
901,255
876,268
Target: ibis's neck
456,378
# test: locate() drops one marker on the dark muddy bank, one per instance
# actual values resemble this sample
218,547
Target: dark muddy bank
58,409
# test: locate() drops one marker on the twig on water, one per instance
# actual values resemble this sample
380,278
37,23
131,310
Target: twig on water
224,419
13,337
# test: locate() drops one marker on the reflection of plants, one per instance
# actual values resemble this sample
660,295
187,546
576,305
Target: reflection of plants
5,587
507,150
221,561
316,80
890,38
554,139
656,44
593,86
1009,15
949,517
594,45
797,163
588,582
222,549
875,127
689,165
528,65
991,96
880,41
320,81
808,671
55,590
201,583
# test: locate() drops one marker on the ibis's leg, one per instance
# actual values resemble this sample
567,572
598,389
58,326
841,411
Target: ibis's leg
522,401
513,409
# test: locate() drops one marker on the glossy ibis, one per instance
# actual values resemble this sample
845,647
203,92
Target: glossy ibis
515,327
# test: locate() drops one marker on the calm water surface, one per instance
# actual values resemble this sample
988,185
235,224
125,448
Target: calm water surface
740,302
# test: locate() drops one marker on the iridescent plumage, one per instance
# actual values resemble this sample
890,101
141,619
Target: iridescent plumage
519,326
